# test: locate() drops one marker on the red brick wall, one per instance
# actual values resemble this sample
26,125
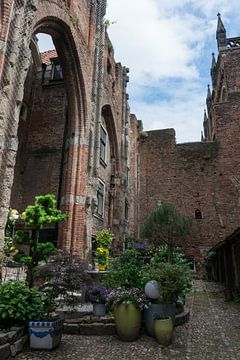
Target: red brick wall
204,176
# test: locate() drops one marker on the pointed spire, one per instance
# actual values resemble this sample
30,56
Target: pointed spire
213,61
221,34
220,26
205,117
209,94
209,99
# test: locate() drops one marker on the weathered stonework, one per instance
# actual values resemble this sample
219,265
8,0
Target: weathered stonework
56,146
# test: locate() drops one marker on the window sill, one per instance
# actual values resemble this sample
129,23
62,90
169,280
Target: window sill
99,217
102,162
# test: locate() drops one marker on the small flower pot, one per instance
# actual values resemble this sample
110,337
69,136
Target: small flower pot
45,335
99,309
163,329
101,267
160,310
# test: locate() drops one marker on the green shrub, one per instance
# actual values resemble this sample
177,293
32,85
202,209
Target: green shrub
174,280
125,271
20,304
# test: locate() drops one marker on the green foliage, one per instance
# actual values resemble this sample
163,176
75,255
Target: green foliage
166,226
160,255
20,304
174,280
125,271
44,211
104,238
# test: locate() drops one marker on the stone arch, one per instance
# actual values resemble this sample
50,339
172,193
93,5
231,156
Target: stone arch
69,41
66,49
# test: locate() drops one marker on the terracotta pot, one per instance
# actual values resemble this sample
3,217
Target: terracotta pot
127,321
163,329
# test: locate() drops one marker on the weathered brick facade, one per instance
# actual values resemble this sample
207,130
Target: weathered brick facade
58,132
77,139
201,179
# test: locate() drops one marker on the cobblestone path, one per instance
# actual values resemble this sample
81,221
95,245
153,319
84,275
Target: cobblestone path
213,333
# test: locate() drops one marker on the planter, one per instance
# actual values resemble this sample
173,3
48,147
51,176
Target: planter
163,329
157,310
101,267
127,321
45,335
99,309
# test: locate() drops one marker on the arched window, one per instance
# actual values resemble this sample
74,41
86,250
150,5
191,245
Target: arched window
198,214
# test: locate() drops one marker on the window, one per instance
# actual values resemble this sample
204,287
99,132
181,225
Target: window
126,210
198,214
100,198
103,139
128,177
56,71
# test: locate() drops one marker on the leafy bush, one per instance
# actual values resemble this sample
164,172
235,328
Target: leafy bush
20,304
174,280
62,276
125,271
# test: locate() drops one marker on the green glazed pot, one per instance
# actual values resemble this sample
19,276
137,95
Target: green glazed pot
163,331
127,321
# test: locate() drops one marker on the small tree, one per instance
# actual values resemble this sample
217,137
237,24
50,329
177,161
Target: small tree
43,212
167,226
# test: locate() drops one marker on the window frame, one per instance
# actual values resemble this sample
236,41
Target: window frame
103,145
101,194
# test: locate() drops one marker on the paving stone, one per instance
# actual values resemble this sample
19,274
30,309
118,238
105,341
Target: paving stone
212,333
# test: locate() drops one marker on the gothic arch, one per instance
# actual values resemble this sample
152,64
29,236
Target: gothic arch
67,52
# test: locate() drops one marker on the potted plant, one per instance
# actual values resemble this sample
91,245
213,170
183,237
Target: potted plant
173,279
102,255
63,277
128,304
104,239
19,304
98,297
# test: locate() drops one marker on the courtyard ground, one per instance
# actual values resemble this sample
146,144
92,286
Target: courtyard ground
213,333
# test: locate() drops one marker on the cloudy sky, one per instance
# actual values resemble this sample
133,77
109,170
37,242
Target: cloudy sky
167,44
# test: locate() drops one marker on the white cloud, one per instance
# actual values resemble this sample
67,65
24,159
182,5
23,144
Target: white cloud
163,43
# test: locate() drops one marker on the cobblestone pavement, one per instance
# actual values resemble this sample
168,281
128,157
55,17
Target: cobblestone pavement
213,333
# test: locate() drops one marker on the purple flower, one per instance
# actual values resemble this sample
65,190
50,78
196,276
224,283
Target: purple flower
98,295
133,295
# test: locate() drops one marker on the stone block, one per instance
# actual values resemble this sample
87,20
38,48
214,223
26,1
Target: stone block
4,351
12,336
71,329
3,338
17,347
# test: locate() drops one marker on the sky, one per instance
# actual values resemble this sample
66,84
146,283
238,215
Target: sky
167,44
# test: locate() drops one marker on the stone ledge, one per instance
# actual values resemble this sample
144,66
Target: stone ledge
183,317
100,326
12,342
